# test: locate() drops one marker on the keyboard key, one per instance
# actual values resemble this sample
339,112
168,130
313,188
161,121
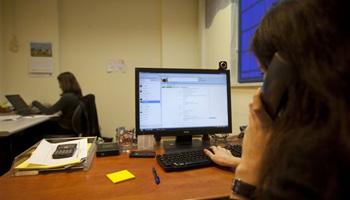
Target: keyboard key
235,149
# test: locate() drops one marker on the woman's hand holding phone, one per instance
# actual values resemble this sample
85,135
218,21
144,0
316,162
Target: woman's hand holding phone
257,136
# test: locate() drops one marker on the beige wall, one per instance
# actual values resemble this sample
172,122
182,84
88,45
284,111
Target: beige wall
29,21
86,35
180,41
217,37
218,43
92,33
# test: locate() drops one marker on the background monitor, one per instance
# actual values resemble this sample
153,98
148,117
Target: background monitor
182,102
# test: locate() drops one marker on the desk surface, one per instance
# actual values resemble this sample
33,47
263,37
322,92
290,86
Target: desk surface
93,184
10,127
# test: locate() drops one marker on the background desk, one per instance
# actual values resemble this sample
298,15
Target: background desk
93,184
8,128
16,136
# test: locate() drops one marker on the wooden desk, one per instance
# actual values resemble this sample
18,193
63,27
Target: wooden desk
93,184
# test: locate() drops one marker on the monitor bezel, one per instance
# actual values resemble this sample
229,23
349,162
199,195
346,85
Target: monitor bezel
182,131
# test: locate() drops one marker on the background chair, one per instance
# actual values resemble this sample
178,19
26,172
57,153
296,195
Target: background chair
85,119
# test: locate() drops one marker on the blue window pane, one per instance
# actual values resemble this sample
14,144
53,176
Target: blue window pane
251,13
249,67
247,3
245,41
246,38
249,62
251,17
244,61
254,64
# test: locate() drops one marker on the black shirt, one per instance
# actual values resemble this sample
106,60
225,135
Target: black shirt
66,104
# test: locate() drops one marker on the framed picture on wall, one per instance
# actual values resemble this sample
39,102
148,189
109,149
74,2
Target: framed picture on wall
41,61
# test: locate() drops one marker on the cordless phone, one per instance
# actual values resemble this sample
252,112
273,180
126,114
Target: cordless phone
279,77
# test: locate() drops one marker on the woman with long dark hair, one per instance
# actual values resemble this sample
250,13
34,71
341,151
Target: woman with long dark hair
71,93
304,153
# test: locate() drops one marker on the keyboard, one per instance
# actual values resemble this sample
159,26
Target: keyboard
191,159
236,149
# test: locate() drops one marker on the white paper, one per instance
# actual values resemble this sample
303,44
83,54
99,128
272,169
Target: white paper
115,65
43,153
9,117
41,65
38,116
43,116
41,61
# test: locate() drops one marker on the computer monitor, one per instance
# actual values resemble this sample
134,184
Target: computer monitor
182,102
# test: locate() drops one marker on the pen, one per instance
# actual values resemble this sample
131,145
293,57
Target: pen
155,175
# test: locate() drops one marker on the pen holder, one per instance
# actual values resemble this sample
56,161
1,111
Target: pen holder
125,137
218,139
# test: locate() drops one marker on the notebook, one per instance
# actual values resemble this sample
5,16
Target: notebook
20,105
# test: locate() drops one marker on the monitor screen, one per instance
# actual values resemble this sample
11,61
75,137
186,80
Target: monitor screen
180,102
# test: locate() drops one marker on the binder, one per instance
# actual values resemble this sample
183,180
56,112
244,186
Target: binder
83,165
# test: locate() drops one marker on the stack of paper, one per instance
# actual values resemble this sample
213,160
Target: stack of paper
40,159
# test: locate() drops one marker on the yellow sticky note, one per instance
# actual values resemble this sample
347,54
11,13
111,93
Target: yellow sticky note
120,176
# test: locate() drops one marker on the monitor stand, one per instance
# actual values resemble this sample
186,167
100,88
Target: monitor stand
185,143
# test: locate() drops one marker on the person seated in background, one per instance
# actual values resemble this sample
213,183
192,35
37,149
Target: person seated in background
304,153
71,93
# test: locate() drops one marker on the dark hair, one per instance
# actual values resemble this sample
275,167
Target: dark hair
69,83
310,146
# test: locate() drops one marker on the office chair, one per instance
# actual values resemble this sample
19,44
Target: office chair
85,119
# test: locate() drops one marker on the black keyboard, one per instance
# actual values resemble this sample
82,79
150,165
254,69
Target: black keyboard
183,160
177,161
236,149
